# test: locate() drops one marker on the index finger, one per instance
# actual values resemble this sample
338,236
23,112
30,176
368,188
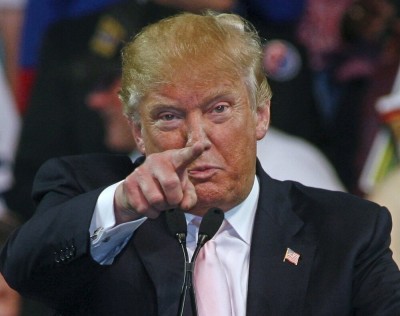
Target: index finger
183,157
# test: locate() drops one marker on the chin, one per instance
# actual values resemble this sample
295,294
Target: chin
212,196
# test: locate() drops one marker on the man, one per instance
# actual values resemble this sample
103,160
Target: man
104,99
198,101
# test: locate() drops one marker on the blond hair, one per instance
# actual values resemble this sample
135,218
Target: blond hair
228,41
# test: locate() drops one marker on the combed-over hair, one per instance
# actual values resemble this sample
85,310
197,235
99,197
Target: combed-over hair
227,40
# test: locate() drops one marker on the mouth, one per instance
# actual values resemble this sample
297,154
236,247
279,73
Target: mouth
202,172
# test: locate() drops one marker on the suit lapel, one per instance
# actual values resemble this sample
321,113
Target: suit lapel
162,258
277,287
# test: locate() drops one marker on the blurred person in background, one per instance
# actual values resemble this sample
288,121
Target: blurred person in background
38,18
383,155
344,41
11,21
9,134
328,62
378,152
11,17
9,131
381,179
288,157
104,99
293,108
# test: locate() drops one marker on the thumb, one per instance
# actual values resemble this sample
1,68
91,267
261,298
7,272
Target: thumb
189,199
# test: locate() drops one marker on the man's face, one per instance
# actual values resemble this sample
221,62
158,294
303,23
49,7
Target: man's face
216,111
118,135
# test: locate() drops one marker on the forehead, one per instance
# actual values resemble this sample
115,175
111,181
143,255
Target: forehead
197,88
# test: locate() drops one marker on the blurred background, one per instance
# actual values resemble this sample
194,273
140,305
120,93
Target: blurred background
333,66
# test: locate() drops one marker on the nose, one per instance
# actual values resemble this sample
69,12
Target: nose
197,131
105,98
98,100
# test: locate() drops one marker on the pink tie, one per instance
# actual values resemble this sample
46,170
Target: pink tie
212,292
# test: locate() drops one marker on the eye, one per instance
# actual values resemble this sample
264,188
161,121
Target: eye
220,108
167,120
220,112
167,117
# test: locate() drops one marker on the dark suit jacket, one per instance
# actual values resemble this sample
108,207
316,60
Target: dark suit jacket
345,266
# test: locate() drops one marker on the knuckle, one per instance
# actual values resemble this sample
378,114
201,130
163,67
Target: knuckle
141,209
137,174
155,199
171,184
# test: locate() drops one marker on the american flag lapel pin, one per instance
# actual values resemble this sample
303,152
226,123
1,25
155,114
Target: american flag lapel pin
291,256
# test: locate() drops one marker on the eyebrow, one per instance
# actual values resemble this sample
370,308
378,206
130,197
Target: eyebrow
174,106
161,101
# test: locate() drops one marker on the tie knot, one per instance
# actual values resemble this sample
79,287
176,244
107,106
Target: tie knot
192,230
196,221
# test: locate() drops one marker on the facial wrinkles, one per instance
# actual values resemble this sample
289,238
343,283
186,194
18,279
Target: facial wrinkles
188,97
197,123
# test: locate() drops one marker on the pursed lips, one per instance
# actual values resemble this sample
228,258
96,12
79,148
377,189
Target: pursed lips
202,171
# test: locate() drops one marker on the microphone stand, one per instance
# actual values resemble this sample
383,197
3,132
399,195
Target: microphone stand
188,273
187,278
177,226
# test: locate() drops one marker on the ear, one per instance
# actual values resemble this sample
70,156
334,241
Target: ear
263,116
136,129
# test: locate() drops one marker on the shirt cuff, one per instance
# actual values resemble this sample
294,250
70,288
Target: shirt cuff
107,240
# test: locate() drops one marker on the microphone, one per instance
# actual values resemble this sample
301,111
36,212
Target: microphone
176,223
209,226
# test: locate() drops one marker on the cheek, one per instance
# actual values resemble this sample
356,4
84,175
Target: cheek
156,141
241,159
243,134
236,142
242,151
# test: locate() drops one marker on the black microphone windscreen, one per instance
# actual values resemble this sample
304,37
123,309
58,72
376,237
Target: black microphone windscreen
211,222
176,222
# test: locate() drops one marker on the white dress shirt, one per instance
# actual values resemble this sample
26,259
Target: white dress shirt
232,241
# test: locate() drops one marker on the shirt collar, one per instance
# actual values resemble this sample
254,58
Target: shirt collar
134,155
241,217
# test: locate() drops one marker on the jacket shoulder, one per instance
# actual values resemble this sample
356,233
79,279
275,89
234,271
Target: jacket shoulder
81,172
